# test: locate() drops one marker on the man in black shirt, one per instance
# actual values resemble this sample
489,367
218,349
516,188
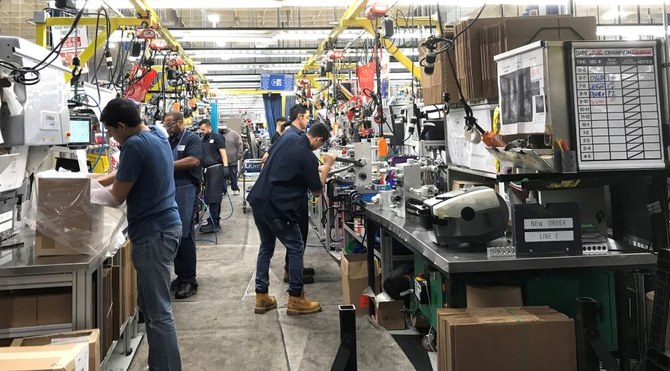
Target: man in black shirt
276,198
216,169
187,156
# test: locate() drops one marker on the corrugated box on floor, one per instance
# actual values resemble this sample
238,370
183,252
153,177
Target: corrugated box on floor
354,268
389,313
505,339
61,357
90,337
488,296
66,221
649,306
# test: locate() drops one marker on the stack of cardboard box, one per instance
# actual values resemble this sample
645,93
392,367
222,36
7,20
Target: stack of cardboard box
107,319
482,40
128,282
27,308
505,339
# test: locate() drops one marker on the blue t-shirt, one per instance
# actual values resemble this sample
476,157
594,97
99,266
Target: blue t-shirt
146,160
291,170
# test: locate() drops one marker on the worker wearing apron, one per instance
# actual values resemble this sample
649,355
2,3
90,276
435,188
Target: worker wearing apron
216,170
187,155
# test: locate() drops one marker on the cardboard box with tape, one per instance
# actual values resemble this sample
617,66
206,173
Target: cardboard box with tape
90,337
354,269
57,357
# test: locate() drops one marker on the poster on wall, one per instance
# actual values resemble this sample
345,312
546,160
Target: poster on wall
521,90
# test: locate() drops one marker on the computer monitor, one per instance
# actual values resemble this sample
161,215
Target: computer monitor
81,131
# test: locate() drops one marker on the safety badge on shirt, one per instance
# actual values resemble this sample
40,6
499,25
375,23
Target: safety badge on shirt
211,141
181,147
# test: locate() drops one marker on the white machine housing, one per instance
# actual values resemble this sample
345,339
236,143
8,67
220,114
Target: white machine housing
45,119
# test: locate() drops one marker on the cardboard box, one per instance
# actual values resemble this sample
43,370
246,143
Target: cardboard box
18,310
67,222
389,314
649,306
482,296
62,357
116,302
35,308
54,308
128,282
354,269
442,79
90,337
475,48
505,339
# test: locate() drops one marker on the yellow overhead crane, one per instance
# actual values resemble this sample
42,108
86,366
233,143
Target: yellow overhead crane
147,17
350,20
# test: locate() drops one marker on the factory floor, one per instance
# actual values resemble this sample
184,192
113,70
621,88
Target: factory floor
218,330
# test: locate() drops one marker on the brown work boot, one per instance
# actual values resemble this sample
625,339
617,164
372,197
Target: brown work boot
264,303
302,305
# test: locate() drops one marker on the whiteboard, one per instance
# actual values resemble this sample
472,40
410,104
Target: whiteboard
617,105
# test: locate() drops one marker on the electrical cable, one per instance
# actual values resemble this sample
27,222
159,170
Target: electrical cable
31,75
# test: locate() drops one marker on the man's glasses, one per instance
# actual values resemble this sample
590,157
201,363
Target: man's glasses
169,124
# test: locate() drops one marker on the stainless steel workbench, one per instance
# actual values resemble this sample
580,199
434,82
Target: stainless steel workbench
455,260
20,269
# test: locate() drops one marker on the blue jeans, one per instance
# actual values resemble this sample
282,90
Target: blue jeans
291,237
152,257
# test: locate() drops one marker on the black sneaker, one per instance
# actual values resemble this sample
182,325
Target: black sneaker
186,290
308,271
208,229
175,284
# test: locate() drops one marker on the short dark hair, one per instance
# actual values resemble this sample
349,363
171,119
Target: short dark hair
280,119
205,122
319,130
296,110
285,124
178,116
121,110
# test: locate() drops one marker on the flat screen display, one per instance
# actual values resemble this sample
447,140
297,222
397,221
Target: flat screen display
80,131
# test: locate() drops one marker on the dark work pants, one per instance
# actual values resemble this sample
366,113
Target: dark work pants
303,223
185,260
233,179
215,212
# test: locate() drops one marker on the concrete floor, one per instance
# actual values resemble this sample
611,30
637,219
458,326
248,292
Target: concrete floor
218,330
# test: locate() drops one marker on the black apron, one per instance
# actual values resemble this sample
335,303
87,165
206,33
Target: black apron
214,184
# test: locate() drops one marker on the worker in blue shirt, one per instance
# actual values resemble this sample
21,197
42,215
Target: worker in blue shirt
215,160
144,181
187,157
291,170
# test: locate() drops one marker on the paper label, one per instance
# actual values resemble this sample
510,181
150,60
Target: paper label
549,236
50,121
549,223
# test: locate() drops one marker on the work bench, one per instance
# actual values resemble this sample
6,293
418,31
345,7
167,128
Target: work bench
462,266
82,275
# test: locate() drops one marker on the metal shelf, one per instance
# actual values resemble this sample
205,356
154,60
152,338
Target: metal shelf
20,332
483,174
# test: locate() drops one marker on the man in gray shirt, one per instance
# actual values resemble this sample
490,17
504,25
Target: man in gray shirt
235,154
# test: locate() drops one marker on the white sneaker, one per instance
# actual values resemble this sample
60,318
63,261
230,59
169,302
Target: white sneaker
236,193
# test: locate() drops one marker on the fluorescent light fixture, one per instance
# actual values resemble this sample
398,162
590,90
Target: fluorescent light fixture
226,56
